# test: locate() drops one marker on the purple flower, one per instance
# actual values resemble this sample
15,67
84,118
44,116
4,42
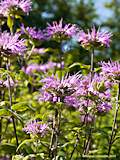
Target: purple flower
5,84
99,87
40,51
92,93
36,128
104,107
7,6
30,69
72,101
11,44
87,118
111,69
60,90
94,38
59,31
33,33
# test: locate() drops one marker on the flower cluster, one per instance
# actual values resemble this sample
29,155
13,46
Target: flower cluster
59,31
8,6
64,90
36,128
111,70
88,118
95,93
30,69
94,38
11,44
79,92
5,84
33,32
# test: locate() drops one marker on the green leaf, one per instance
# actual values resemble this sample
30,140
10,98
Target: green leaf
10,22
82,66
17,157
4,103
31,156
16,115
8,148
75,64
22,106
25,142
5,112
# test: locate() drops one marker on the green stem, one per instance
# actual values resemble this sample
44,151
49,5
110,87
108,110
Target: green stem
75,146
10,100
88,142
92,64
1,129
115,120
54,137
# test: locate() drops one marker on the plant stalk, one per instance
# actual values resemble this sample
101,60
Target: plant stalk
115,120
10,100
88,142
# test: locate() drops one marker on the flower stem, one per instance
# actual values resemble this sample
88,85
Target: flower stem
92,63
115,120
10,100
75,146
88,141
54,137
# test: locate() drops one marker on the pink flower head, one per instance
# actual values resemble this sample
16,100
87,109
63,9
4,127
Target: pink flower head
59,31
35,128
33,32
94,37
111,69
87,118
104,107
62,90
11,44
6,6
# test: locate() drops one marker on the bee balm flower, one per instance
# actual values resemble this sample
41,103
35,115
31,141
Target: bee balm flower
8,6
35,128
94,38
59,31
10,44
